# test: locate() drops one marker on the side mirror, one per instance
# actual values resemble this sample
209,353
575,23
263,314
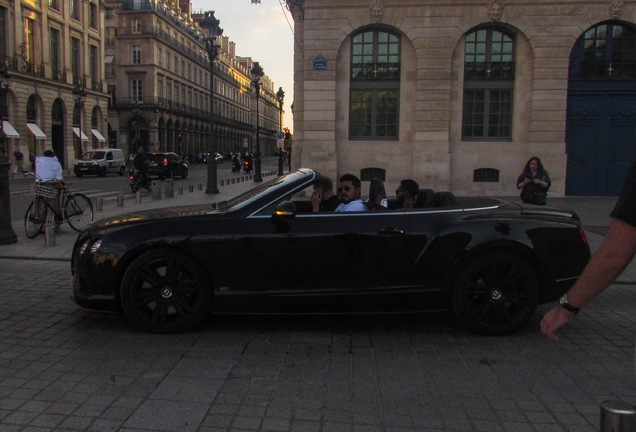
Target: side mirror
284,210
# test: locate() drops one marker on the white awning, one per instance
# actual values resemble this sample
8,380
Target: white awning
99,136
77,132
9,130
39,135
109,59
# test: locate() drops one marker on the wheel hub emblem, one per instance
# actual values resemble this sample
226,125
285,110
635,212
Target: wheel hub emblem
495,294
166,292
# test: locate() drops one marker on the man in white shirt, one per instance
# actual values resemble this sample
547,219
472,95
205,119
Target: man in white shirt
49,171
349,192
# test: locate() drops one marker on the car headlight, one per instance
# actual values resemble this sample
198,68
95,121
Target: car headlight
83,247
96,244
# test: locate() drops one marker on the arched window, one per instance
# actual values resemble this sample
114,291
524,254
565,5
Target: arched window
489,70
375,85
606,51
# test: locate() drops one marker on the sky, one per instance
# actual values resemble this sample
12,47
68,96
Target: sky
263,33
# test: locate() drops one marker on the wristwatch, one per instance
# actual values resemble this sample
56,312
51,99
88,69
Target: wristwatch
563,301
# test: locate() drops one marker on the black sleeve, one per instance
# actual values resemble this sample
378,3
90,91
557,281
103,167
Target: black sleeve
625,209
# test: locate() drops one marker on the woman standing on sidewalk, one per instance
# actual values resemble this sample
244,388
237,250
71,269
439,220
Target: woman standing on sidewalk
534,182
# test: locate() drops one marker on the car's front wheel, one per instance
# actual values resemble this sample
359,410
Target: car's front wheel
495,293
164,291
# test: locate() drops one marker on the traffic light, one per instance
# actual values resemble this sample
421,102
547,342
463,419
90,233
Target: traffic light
288,136
180,136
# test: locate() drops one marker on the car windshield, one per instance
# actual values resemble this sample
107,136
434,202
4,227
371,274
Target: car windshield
269,188
93,155
154,157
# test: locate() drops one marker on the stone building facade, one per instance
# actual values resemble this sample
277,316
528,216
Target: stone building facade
458,95
52,49
158,74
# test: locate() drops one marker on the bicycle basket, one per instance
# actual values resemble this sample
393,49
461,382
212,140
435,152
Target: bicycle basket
45,191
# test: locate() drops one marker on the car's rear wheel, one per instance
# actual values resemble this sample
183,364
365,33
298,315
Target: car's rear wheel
164,291
495,294
122,170
185,173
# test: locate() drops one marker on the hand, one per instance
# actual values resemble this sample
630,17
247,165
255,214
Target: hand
554,320
315,201
537,181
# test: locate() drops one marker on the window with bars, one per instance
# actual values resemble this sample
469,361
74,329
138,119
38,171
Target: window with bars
489,67
375,85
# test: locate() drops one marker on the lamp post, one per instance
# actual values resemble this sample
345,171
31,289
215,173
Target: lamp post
280,95
257,78
7,235
211,32
136,115
79,95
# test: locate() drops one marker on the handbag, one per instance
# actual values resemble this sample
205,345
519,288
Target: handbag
540,198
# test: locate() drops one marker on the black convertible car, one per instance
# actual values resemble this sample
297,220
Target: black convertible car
489,261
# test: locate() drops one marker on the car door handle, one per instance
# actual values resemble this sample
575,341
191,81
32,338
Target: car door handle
390,231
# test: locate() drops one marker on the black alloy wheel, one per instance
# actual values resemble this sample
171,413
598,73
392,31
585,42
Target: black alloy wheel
122,171
495,294
165,291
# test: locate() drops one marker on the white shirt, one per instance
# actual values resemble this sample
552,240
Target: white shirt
47,169
357,205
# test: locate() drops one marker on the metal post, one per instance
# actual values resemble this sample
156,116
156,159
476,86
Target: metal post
49,235
120,200
618,416
99,203
138,196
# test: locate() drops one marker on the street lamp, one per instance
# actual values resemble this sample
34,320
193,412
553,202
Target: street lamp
257,78
79,95
280,95
7,235
211,32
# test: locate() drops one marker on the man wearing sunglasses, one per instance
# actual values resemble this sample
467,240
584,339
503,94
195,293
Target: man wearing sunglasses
406,192
349,193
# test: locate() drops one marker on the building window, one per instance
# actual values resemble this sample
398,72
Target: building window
75,9
489,68
160,89
606,51
4,35
375,85
92,21
110,14
75,60
136,26
55,51
136,54
54,4
159,57
137,90
176,64
29,37
93,66
183,72
483,175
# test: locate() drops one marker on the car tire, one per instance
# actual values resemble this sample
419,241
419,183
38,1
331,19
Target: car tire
122,171
78,175
496,293
166,291
185,173
102,172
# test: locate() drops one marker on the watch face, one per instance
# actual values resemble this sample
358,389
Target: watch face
564,299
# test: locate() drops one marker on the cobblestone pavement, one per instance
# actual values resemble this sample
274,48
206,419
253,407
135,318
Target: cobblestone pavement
62,369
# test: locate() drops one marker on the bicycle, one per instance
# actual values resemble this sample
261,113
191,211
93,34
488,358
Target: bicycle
77,210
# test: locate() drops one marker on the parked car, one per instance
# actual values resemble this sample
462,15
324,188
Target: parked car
489,261
101,162
217,157
166,164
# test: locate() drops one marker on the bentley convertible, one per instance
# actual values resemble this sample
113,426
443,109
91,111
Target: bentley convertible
489,261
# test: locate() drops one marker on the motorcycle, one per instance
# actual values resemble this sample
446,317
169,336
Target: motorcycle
138,180
236,166
247,167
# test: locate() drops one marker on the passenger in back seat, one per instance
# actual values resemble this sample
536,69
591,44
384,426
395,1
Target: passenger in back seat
406,192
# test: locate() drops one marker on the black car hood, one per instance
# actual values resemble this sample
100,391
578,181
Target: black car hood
121,220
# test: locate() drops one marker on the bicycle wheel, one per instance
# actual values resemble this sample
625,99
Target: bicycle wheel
35,217
78,211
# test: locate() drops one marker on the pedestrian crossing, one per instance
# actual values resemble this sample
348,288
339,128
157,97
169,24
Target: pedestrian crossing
90,193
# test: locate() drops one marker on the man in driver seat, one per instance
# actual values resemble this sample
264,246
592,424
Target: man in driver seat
349,192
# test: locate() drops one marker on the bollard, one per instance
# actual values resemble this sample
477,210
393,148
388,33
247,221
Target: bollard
156,189
618,416
169,188
233,180
200,185
191,188
138,196
120,200
222,182
180,190
99,203
49,235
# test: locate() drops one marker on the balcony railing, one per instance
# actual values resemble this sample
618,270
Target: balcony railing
162,9
493,70
58,75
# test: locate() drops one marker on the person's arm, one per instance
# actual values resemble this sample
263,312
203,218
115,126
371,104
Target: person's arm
609,261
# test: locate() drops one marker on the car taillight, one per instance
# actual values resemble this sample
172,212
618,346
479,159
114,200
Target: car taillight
583,236
131,177
245,163
165,161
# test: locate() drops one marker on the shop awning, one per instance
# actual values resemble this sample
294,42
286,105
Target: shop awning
99,136
39,135
9,130
77,132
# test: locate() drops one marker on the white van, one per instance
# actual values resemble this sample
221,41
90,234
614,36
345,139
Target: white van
101,162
